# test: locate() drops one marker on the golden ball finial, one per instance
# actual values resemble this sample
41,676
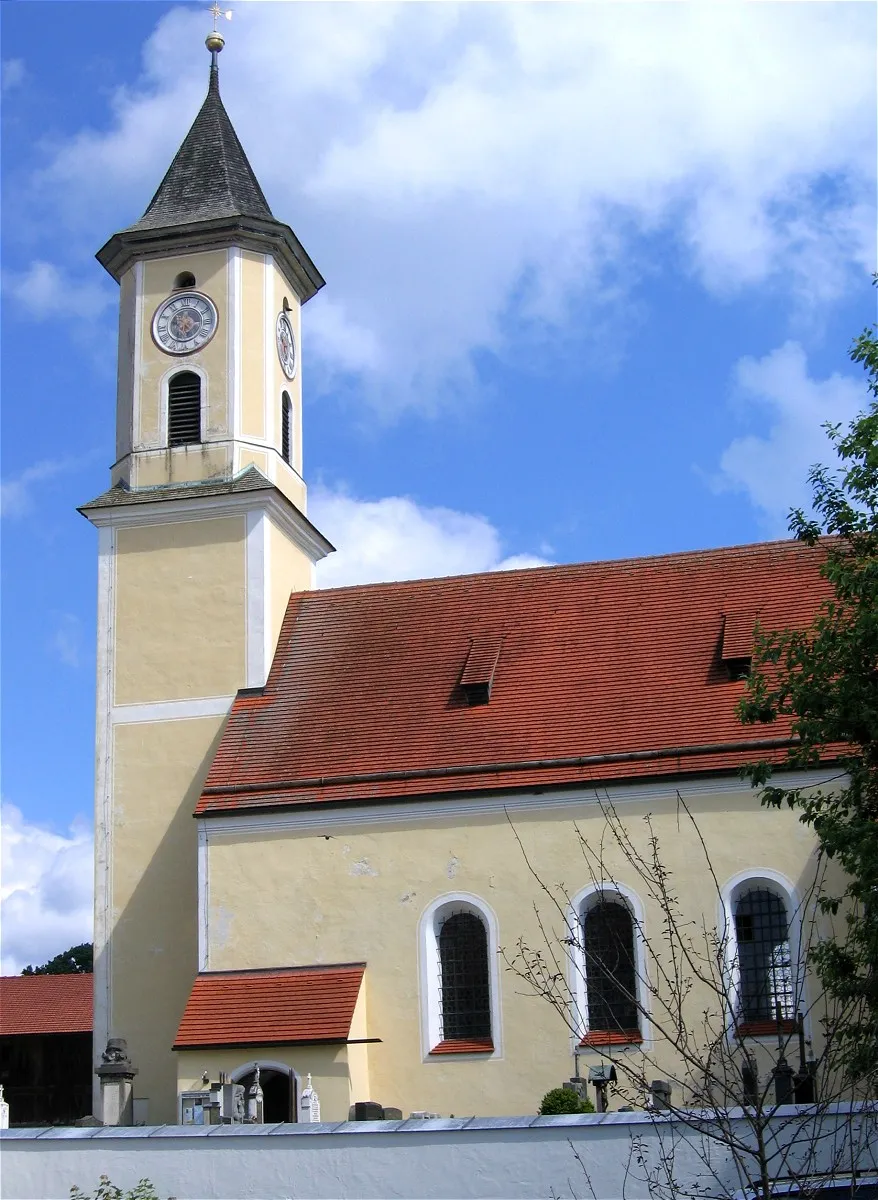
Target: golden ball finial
214,42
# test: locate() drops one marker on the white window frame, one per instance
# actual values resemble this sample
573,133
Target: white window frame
771,881
430,974
580,904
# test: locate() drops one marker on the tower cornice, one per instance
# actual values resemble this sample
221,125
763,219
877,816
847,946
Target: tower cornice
249,233
249,491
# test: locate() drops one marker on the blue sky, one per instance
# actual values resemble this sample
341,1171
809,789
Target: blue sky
592,273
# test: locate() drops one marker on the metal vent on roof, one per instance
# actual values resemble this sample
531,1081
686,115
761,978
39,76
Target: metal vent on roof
736,651
184,409
478,671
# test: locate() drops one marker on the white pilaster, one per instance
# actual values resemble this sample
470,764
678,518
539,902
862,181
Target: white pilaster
103,862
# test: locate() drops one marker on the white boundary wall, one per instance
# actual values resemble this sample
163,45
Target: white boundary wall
481,1158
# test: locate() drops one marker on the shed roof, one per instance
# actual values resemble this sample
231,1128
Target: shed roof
258,1008
608,670
45,1004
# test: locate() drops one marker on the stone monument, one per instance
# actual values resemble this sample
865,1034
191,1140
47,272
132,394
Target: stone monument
116,1073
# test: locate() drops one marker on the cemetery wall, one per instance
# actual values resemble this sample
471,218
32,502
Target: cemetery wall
606,1156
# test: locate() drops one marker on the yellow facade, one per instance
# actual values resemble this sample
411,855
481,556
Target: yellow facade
338,893
180,585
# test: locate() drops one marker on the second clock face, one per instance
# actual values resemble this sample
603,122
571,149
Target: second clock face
286,345
184,322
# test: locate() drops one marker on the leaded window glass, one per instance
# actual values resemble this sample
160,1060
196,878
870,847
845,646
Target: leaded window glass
610,971
464,978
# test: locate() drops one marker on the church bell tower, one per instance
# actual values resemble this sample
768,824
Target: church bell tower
202,537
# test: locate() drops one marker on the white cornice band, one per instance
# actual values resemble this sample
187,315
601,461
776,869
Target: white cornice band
459,808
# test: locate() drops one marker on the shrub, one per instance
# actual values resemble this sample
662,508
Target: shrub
108,1191
564,1100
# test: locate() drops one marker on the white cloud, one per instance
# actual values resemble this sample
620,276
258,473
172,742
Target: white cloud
16,494
451,165
772,469
12,74
394,538
46,890
43,289
65,642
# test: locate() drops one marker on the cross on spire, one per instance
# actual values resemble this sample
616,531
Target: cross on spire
217,13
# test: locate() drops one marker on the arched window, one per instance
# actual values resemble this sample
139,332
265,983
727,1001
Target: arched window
286,428
458,952
764,961
465,992
184,409
610,970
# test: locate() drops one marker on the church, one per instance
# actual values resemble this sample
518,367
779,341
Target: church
326,819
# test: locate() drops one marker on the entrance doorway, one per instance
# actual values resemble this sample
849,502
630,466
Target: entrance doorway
279,1101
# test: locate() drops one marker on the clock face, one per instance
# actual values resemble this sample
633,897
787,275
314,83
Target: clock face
286,345
184,322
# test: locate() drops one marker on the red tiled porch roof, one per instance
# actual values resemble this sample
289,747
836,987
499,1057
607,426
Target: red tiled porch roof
605,671
281,1007
45,1004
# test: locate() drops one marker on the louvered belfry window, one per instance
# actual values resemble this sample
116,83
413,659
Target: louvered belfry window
610,973
764,963
286,428
184,409
465,987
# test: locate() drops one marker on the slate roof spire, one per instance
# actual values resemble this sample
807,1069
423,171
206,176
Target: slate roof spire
210,176
209,198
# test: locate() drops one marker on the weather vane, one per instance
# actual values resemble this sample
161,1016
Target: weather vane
215,41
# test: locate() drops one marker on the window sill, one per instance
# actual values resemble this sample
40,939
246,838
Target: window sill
463,1046
614,1037
765,1028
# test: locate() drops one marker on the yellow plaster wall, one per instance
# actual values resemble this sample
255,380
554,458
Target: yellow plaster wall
211,271
183,464
290,572
291,484
359,894
253,344
180,610
158,770
256,458
328,1066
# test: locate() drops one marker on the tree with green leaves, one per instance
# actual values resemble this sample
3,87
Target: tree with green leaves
825,680
78,960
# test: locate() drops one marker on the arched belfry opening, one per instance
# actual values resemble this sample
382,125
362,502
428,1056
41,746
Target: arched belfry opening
279,1089
184,409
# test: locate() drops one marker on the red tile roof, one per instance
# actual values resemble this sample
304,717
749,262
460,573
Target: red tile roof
608,670
258,1008
45,1004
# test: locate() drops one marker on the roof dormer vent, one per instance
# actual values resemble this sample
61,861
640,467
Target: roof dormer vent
478,671
736,651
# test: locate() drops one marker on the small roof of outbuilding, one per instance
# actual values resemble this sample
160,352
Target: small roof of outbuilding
271,1007
603,671
45,1004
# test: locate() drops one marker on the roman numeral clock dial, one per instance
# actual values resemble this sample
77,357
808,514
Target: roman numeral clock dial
184,323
